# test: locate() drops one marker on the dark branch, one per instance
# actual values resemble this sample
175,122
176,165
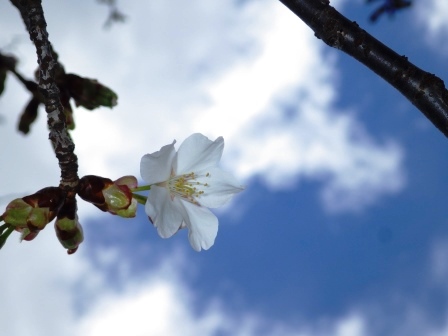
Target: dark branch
33,16
426,91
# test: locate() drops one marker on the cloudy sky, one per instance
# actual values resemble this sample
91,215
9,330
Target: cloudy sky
342,229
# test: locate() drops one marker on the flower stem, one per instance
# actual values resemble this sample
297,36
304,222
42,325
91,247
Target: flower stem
142,188
5,235
140,199
3,228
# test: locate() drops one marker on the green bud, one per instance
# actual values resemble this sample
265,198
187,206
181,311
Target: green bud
130,211
67,226
89,93
17,212
69,233
117,197
38,218
34,211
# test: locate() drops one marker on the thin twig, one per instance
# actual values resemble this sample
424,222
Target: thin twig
425,90
33,16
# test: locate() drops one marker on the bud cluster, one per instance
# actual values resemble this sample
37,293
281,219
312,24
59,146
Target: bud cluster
30,214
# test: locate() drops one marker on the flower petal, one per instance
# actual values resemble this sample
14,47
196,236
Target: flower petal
202,226
128,180
150,211
197,152
156,167
166,214
218,186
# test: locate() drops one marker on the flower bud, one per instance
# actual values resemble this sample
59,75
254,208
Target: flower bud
90,189
89,93
67,226
32,213
129,212
113,197
17,212
27,235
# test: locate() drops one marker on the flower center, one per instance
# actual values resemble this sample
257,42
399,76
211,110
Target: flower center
185,186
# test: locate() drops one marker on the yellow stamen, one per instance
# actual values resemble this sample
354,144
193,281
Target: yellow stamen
185,186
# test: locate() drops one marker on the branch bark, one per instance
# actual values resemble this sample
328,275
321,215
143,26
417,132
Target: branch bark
425,90
33,17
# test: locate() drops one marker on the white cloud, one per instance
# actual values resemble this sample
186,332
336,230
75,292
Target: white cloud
353,325
311,139
36,281
439,266
46,292
157,305
416,319
433,17
162,307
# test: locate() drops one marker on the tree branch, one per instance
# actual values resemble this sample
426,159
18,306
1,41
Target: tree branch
426,91
33,16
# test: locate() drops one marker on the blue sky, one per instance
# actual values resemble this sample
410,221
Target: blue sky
342,229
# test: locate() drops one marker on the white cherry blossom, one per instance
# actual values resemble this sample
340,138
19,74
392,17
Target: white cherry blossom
184,184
